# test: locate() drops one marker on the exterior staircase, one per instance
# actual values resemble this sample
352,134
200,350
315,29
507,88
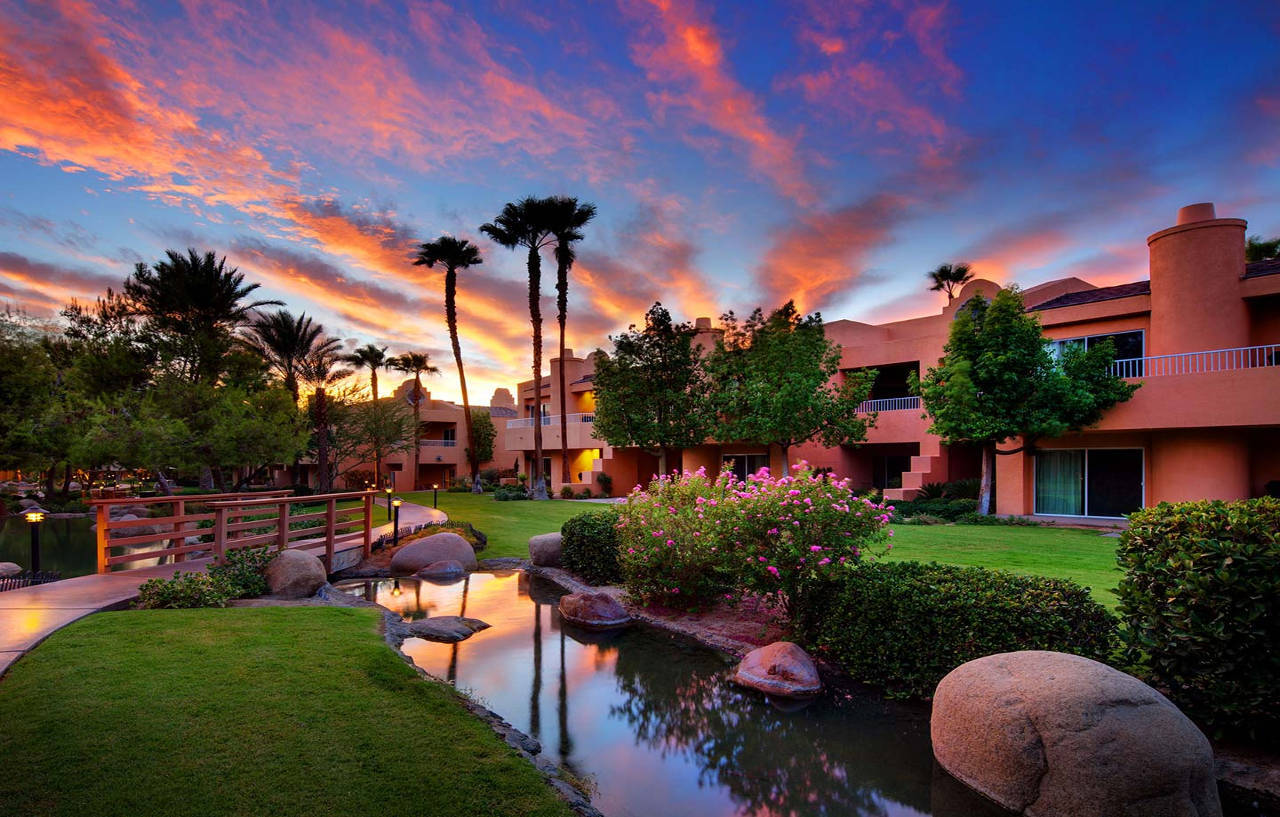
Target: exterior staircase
930,465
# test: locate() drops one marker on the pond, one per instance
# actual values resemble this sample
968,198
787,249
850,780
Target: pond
66,545
652,721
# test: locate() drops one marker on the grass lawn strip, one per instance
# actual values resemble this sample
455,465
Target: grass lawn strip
507,524
258,711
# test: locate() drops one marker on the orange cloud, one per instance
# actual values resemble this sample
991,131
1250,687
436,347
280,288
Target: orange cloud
820,256
678,48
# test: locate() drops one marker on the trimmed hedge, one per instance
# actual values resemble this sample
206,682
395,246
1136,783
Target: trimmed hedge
1201,602
904,625
948,509
589,547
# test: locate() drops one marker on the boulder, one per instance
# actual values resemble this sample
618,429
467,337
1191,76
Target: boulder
594,611
449,629
445,569
1047,733
9,569
293,574
544,549
781,669
438,547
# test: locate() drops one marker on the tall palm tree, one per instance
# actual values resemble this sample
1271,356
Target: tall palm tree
416,364
526,224
373,358
949,278
320,369
284,341
566,217
454,254
193,304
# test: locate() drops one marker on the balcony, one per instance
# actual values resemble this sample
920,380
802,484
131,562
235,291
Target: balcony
581,428
439,443
889,404
1217,360
551,420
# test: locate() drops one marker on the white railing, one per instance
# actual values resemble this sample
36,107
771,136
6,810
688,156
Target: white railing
1217,360
440,443
552,420
888,404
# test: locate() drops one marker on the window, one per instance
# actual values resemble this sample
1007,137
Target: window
1089,482
887,470
743,465
450,434
1128,345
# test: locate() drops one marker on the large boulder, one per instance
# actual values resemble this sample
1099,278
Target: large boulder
594,611
9,569
294,574
448,629
443,570
438,547
544,549
781,669
1047,733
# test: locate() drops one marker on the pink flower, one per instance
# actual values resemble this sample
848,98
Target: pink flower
824,562
772,570
773,531
815,548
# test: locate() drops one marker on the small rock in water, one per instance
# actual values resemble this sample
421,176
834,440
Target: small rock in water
594,611
781,669
446,629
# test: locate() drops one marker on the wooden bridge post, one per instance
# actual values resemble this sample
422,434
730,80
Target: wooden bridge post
330,522
368,524
179,509
219,534
282,522
104,538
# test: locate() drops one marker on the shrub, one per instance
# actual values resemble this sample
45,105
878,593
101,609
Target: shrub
1201,602
461,485
589,548
510,493
948,509
185,590
962,488
242,571
904,625
566,492
690,540
606,483
585,493
922,519
978,519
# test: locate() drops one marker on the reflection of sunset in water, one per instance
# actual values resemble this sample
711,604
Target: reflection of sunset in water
651,719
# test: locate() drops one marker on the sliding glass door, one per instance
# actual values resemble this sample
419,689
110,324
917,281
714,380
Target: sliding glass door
1104,482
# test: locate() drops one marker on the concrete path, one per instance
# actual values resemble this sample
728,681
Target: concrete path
29,615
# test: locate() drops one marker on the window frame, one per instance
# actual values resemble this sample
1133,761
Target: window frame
1035,479
1055,344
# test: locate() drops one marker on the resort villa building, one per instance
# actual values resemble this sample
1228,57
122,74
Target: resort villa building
1201,334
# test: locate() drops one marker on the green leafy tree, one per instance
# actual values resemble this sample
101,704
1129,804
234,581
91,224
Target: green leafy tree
454,254
998,380
651,391
416,364
365,430
527,224
566,217
483,435
322,369
949,278
1255,249
773,382
27,393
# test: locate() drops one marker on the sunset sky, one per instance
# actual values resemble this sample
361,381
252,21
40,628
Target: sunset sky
740,154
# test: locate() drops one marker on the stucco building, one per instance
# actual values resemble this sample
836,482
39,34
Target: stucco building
1202,335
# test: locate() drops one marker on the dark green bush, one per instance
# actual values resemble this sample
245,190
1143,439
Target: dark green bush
948,509
509,493
1201,602
185,590
976,518
589,548
566,492
242,571
606,483
585,493
904,625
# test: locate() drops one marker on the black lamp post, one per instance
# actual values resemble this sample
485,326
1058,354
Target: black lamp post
34,516
388,490
395,522
435,495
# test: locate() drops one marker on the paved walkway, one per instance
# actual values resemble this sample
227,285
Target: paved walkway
29,615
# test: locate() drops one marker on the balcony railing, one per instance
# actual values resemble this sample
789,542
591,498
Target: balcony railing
888,404
440,443
552,420
1217,360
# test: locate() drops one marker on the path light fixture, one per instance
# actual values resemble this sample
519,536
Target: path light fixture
395,521
34,516
388,489
435,495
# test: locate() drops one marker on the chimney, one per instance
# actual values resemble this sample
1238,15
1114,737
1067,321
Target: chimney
702,324
1196,212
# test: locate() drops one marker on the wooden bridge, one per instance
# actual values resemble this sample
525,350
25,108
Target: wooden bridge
212,524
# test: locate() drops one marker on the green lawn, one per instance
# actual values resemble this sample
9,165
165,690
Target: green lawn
279,711
1084,556
507,524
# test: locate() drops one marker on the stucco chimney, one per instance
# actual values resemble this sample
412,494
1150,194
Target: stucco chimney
1196,212
702,323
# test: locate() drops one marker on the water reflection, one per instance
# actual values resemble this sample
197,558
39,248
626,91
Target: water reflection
67,546
653,721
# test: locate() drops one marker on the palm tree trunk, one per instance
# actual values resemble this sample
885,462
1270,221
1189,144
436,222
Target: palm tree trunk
562,309
535,318
417,428
322,442
451,318
377,452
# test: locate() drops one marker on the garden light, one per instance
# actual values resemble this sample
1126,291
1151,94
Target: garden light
34,516
395,521
435,495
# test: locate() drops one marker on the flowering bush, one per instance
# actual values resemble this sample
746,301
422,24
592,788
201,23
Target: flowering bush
688,540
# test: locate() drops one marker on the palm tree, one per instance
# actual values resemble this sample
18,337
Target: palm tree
948,278
566,217
526,224
454,254
1255,249
374,358
417,364
284,341
193,303
321,369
